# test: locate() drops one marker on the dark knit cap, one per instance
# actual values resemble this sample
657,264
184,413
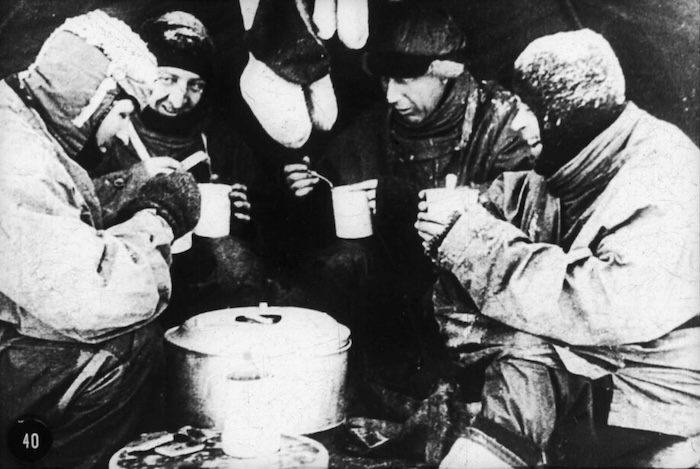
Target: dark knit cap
179,39
410,38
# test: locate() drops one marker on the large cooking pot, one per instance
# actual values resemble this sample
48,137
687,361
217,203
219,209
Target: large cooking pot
305,351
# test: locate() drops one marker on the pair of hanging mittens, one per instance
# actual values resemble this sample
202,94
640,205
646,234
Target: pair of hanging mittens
350,18
286,82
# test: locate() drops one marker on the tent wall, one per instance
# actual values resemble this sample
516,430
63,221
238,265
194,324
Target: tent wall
657,42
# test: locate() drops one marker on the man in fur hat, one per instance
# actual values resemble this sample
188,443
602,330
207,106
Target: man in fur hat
438,122
78,296
592,262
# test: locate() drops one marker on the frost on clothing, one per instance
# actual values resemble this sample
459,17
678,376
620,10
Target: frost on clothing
614,280
468,135
63,277
383,282
214,273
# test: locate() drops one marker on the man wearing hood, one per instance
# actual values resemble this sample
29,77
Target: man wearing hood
438,120
592,262
78,296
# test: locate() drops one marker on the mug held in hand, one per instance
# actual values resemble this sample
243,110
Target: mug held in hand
215,218
351,212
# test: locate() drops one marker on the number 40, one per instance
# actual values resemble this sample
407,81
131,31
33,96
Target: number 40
31,440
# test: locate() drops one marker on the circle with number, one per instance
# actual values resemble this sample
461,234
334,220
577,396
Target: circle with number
29,439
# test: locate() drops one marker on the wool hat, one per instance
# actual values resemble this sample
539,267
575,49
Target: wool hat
570,72
415,41
179,39
575,85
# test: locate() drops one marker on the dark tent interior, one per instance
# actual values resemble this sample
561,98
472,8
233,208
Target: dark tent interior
657,42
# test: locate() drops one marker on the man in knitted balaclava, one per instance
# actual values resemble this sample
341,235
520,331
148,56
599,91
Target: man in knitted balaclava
178,120
592,264
182,126
78,297
437,121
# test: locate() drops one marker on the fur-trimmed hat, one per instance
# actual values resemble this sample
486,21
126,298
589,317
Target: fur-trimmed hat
415,41
85,65
179,39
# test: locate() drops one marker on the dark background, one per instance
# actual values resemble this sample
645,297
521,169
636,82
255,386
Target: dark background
657,42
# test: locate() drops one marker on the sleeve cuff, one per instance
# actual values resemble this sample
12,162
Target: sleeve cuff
475,223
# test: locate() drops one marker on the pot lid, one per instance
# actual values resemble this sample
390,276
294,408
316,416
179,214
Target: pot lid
262,331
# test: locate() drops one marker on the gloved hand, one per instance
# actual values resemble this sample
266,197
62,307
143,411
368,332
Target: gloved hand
174,196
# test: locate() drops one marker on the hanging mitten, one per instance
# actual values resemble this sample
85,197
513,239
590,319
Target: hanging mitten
248,10
353,22
279,105
325,18
320,100
282,40
286,81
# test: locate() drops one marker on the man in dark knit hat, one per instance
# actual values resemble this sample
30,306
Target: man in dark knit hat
182,126
591,262
437,121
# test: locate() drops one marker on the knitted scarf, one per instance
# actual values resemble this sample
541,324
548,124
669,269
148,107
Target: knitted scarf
177,137
421,151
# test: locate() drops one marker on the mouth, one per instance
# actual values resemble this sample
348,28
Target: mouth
535,149
169,111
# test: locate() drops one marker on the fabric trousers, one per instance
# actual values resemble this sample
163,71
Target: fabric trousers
92,397
537,410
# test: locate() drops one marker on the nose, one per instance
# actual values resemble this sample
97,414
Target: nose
123,134
177,96
393,93
519,121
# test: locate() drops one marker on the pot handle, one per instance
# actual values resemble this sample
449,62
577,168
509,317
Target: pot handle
260,317
250,372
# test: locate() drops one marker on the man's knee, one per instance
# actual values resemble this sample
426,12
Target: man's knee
92,398
527,397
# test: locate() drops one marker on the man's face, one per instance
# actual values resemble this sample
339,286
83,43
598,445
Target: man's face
414,99
115,125
546,162
525,123
176,92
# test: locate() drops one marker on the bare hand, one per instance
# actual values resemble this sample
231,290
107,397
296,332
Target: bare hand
438,209
429,226
161,165
299,178
240,207
370,188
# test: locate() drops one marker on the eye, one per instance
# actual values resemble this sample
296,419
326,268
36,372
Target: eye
166,79
195,86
